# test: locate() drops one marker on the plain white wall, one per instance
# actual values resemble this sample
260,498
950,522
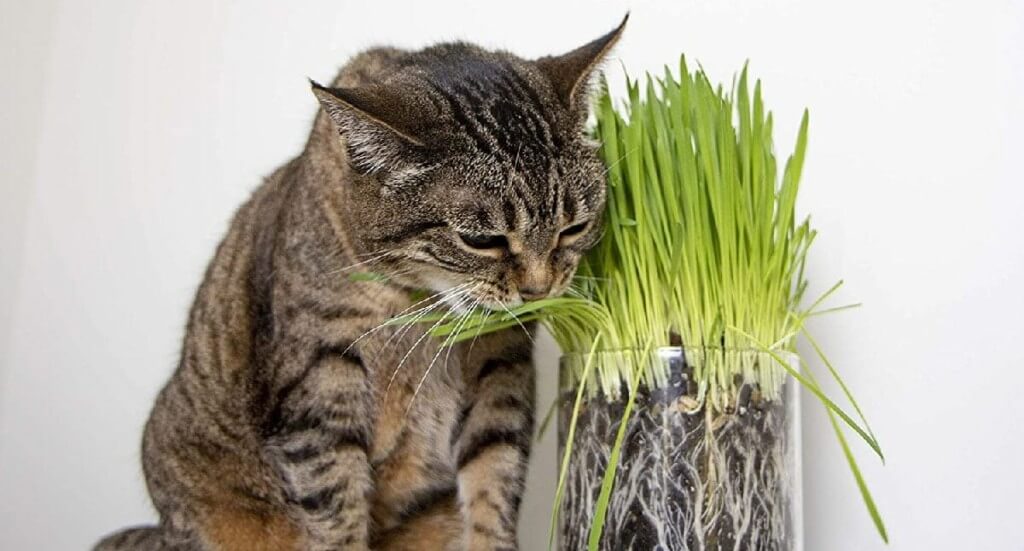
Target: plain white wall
131,130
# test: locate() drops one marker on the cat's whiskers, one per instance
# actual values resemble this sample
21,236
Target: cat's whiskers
416,317
578,276
479,329
516,319
361,263
465,298
617,161
333,255
447,344
481,322
403,330
371,253
572,291
388,321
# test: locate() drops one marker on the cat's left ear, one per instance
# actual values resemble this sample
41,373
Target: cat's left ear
378,125
570,73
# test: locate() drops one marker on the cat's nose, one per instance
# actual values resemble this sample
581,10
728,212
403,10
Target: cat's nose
535,292
534,277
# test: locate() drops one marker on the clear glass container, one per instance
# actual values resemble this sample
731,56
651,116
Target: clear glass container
702,467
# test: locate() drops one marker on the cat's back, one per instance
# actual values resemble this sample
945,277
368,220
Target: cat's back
211,387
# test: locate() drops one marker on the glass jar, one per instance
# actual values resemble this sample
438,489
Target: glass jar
713,466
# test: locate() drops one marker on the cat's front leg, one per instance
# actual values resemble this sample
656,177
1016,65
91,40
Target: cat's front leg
493,447
319,444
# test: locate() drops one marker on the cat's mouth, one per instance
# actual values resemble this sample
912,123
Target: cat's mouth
481,297
476,297
474,294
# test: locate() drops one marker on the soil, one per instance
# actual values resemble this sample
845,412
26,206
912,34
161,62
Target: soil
688,479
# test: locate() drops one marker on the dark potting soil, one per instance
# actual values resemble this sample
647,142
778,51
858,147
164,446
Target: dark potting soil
676,488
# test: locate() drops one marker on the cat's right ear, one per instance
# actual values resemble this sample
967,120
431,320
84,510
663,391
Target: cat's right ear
571,73
377,127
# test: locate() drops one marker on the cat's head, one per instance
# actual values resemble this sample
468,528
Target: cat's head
470,171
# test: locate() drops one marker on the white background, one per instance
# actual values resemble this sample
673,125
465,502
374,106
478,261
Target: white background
131,130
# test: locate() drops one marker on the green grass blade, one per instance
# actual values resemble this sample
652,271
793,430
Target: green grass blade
851,461
828,403
604,497
569,439
547,419
865,493
835,376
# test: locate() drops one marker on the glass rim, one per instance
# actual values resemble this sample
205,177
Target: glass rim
676,349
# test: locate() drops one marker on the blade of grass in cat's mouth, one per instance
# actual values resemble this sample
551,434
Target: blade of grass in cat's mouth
479,307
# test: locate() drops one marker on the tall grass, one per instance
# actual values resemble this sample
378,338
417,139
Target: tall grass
703,248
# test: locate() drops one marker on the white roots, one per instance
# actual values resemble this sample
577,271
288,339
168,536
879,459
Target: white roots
687,480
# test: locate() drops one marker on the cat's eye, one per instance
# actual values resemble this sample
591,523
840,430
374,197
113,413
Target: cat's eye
574,229
484,242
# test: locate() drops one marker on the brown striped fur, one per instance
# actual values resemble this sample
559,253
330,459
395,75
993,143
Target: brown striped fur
296,420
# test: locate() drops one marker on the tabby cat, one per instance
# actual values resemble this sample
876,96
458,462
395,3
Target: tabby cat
297,419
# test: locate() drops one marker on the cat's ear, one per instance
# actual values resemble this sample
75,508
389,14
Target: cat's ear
570,73
377,125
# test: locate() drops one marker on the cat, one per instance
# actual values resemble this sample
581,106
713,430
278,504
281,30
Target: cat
297,417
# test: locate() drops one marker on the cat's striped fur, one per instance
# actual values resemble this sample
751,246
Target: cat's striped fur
291,422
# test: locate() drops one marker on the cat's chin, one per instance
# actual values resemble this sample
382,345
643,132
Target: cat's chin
462,302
